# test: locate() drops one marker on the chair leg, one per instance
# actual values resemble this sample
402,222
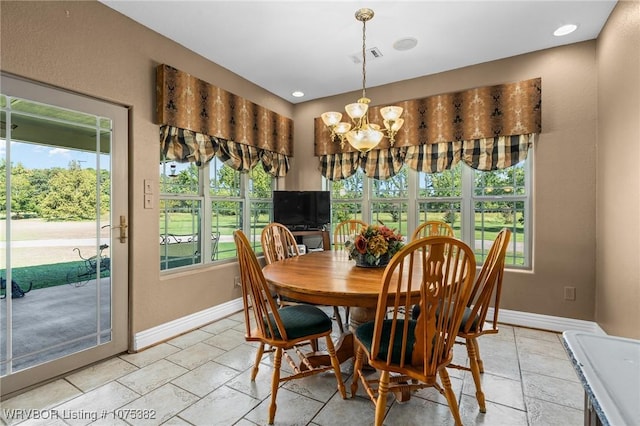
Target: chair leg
275,383
347,311
336,313
477,348
450,395
356,371
336,366
381,403
259,353
475,372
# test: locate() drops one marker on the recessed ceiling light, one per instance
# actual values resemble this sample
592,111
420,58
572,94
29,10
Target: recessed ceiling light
405,43
565,29
297,94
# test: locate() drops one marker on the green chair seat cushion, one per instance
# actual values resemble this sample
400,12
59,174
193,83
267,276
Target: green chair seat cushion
465,317
302,320
364,334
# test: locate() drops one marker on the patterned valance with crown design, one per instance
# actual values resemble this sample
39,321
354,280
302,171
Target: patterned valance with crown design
481,113
188,103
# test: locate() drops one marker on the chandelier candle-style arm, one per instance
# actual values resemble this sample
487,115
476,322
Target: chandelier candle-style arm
361,134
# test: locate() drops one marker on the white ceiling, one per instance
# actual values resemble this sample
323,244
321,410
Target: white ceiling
283,46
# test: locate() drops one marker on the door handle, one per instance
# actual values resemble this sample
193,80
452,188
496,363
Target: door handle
123,229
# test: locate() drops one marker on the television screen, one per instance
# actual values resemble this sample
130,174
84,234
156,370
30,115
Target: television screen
300,210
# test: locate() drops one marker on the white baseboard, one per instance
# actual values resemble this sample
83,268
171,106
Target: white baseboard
182,325
174,328
545,322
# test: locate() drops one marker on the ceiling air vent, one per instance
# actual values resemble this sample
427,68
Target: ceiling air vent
372,53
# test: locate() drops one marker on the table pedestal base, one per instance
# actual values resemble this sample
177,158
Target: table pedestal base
345,346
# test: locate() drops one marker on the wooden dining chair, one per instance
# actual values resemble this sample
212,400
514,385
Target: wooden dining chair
344,230
437,273
278,243
431,228
486,293
283,328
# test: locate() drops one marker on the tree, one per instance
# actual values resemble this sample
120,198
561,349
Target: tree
72,195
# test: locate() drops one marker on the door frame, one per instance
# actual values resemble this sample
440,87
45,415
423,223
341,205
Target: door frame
19,381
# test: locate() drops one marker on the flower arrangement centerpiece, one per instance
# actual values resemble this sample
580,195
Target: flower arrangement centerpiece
374,246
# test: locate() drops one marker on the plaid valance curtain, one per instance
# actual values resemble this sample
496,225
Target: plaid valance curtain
183,146
488,128
200,120
481,154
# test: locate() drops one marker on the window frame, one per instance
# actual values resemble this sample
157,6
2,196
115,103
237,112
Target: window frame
467,201
204,196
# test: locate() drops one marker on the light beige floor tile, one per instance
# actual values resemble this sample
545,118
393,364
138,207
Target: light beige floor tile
239,358
99,374
204,379
533,333
418,412
496,415
222,325
244,422
224,406
320,387
550,389
548,366
345,412
259,389
43,397
543,413
152,376
432,394
177,421
496,389
189,339
150,355
110,420
196,355
103,401
293,409
158,405
500,364
552,348
226,340
44,421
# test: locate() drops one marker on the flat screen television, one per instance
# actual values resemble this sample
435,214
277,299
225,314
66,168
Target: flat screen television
302,210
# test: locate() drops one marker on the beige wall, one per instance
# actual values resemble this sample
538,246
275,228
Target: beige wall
88,48
618,177
564,158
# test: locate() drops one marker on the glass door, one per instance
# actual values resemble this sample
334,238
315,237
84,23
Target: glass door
63,258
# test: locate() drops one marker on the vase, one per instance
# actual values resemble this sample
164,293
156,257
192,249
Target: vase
381,262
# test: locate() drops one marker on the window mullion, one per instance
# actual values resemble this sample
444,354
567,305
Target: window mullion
467,206
206,212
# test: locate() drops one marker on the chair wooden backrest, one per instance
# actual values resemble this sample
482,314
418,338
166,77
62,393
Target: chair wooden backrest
487,288
278,243
431,228
256,297
346,229
436,272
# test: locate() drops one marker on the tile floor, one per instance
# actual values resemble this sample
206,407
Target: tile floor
203,378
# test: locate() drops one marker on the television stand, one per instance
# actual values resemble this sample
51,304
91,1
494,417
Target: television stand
326,239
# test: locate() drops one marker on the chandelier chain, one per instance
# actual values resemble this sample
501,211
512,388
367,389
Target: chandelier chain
364,58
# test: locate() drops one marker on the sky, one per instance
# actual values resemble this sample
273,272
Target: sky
34,156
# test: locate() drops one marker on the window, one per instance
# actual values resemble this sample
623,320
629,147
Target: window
201,207
476,204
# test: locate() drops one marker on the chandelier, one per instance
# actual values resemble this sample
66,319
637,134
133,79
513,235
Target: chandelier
361,134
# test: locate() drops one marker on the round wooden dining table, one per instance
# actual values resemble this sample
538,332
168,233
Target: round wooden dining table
329,278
